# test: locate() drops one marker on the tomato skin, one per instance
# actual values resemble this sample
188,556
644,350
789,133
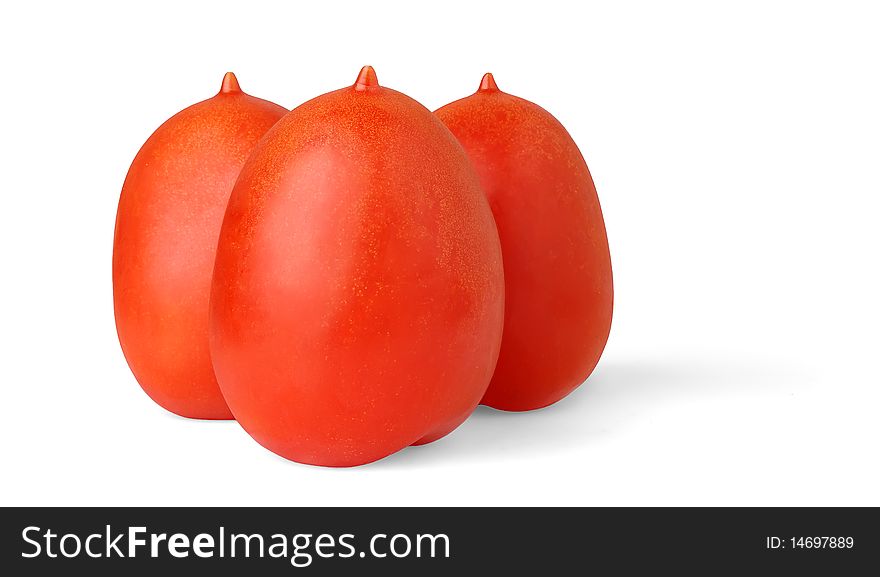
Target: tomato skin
169,216
358,292
557,266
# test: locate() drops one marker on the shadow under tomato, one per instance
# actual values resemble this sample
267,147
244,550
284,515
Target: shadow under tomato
615,396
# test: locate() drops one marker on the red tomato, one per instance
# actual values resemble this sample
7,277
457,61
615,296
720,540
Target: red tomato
557,266
169,218
358,291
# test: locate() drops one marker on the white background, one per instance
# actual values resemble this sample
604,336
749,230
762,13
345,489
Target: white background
735,151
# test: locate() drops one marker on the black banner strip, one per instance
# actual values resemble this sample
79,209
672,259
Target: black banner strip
437,541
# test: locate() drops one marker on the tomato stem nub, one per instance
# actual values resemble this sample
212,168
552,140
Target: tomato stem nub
488,83
366,79
230,84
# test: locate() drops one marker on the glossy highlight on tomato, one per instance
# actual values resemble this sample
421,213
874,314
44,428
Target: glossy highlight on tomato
557,265
358,291
169,216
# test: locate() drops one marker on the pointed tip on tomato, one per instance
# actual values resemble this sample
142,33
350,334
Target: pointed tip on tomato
487,84
366,79
230,84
